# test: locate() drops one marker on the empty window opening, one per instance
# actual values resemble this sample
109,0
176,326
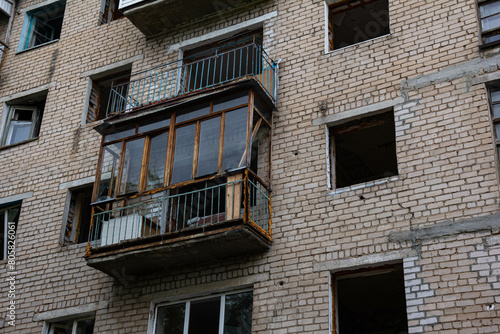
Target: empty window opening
79,213
71,326
355,21
43,25
363,150
232,312
100,91
23,120
109,11
9,217
370,301
489,21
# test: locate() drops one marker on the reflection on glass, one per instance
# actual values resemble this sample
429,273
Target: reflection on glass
193,112
147,125
157,157
170,319
235,136
18,132
62,327
227,102
495,96
490,9
204,316
238,313
209,147
183,155
491,22
492,39
496,111
132,166
109,171
120,135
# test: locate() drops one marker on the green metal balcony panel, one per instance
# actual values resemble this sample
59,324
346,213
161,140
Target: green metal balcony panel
154,17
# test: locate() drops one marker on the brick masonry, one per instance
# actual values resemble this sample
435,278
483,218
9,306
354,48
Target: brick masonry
447,164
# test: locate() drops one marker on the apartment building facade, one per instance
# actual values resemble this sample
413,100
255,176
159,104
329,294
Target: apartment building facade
249,166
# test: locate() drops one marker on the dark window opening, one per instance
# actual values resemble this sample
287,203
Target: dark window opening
364,150
43,25
79,214
355,21
109,11
370,301
100,91
9,217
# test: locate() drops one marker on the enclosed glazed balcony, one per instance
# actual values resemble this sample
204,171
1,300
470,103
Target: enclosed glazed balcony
199,73
153,17
182,184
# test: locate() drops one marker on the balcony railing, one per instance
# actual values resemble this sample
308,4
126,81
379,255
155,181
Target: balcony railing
189,75
246,198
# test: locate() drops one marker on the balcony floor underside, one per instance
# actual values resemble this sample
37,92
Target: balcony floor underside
160,253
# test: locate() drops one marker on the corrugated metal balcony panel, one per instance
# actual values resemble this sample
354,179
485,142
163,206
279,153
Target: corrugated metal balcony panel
6,6
153,17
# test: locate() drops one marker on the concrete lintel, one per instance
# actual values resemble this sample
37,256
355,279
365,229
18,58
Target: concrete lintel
77,183
349,115
221,33
28,92
447,228
449,73
70,312
490,77
363,261
15,198
202,289
108,69
38,5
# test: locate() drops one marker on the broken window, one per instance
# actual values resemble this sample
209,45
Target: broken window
78,218
23,120
42,25
99,103
489,22
355,21
369,301
109,11
363,150
9,217
232,312
71,326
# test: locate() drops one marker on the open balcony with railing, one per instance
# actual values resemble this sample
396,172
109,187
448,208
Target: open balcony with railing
209,70
153,17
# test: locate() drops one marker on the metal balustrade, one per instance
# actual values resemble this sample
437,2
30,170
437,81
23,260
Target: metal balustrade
245,199
190,75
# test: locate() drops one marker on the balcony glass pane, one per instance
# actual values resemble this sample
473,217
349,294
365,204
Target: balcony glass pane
170,319
146,126
157,161
183,156
496,111
238,313
235,136
209,147
123,133
231,101
109,171
192,113
490,9
132,166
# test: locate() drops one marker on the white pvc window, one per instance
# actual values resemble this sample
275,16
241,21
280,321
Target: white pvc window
229,313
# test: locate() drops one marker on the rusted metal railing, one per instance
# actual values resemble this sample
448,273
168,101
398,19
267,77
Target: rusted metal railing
193,74
196,209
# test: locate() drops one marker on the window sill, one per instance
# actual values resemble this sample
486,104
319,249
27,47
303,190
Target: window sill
353,45
18,144
363,185
38,46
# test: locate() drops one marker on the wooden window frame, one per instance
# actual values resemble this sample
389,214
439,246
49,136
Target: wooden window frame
488,33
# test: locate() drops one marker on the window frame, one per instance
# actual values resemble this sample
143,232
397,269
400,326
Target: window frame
5,227
30,20
488,33
171,146
79,195
51,325
36,119
329,39
188,301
